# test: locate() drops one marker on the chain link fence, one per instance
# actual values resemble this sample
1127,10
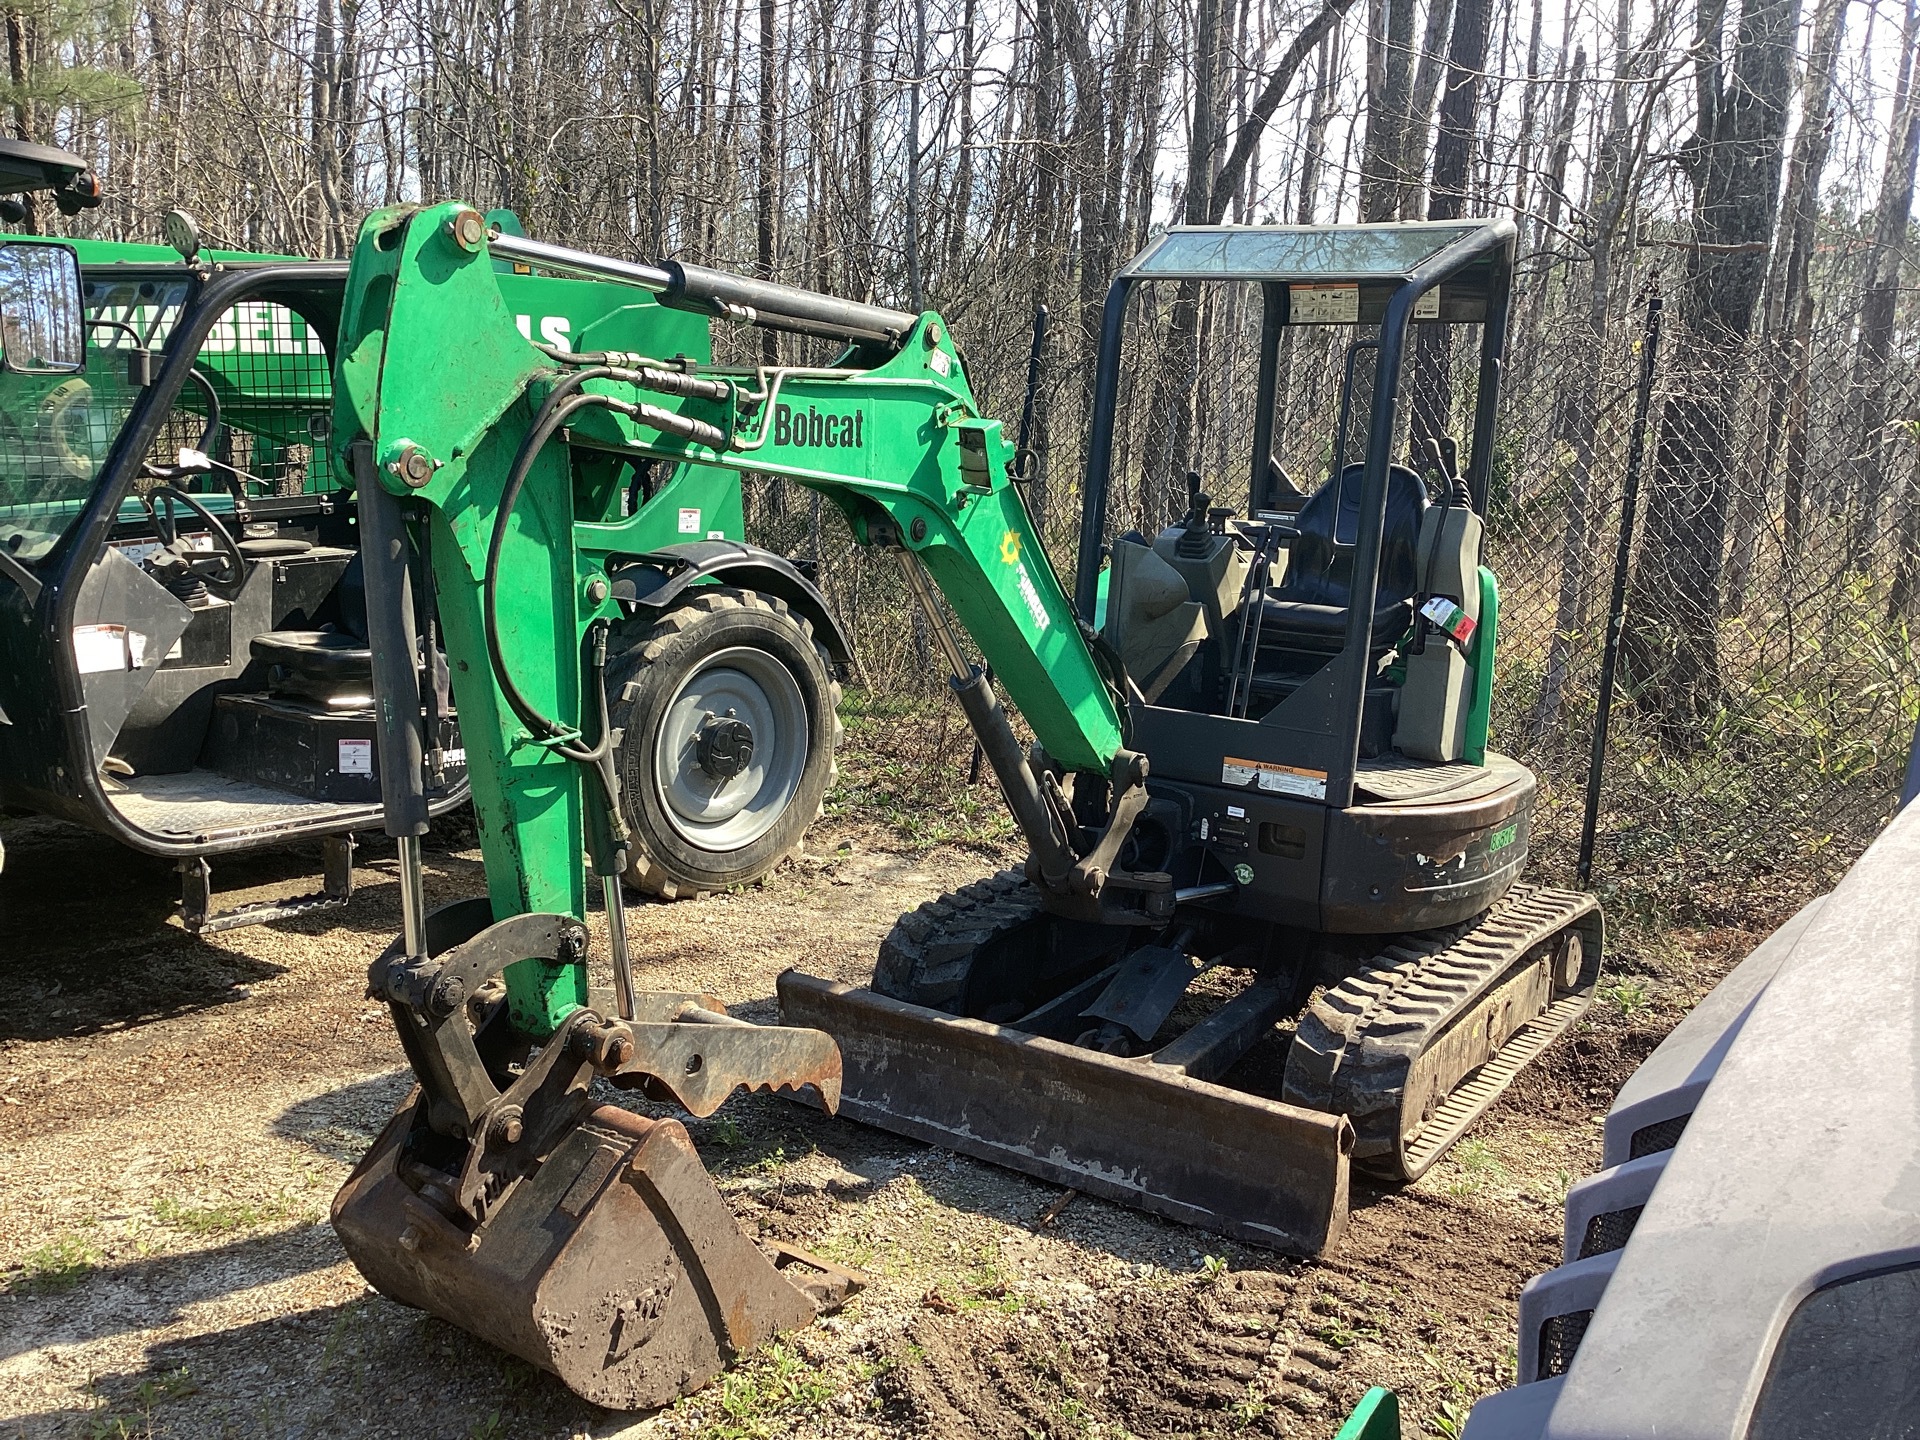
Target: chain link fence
1766,691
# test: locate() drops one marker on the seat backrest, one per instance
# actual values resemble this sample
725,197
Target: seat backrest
351,593
1320,561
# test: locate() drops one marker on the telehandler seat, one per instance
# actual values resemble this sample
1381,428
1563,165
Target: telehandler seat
1308,611
316,664
330,664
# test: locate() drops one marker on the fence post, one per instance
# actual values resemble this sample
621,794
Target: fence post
1617,602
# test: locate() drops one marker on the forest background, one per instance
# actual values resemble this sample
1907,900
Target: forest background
1750,163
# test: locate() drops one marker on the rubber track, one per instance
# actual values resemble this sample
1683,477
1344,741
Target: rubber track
644,872
1358,1040
925,956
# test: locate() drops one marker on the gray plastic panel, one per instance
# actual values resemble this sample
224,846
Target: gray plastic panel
1797,1169
1670,1081
1517,1414
118,593
1561,1291
1624,1187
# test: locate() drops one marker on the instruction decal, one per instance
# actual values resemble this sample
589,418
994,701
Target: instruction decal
1323,304
689,522
98,649
1280,779
356,757
1427,307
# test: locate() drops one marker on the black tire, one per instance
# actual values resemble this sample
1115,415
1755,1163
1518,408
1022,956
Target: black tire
926,956
655,684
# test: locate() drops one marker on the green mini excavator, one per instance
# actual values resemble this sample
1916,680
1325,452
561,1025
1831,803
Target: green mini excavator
1270,922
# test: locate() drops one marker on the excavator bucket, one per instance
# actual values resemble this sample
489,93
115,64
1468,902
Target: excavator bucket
616,1265
1145,1132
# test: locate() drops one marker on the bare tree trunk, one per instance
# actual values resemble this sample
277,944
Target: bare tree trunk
766,190
962,207
869,104
1734,161
1787,326
1529,105
1383,173
1314,148
1426,87
915,288
19,69
1452,160
1892,217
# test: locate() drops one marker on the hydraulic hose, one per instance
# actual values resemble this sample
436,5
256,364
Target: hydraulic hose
562,402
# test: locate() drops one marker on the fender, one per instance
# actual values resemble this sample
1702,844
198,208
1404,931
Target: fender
655,580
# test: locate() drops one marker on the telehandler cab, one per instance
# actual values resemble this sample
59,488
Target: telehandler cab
184,660
1267,766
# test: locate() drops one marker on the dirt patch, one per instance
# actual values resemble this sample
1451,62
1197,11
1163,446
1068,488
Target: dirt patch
178,1113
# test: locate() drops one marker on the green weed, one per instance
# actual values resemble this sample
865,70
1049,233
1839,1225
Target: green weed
57,1266
1449,1417
1628,996
1476,1165
760,1399
1476,1157
146,1396
222,1218
1250,1407
1212,1269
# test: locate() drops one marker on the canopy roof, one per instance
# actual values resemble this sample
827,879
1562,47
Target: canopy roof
1299,252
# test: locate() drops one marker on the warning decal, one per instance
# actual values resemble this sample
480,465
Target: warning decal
1323,304
1281,779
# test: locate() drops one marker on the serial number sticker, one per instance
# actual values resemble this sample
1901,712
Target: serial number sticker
1323,304
356,757
689,522
1281,779
1427,307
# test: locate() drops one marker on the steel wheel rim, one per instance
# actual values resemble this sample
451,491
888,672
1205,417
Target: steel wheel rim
718,814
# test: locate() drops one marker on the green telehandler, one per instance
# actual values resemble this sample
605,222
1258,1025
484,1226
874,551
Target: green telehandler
186,666
1259,793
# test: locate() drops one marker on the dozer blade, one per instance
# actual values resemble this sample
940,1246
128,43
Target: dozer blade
616,1265
1130,1130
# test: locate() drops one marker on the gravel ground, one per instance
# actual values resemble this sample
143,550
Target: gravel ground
178,1113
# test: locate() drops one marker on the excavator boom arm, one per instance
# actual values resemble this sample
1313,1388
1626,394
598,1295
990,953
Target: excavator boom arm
446,388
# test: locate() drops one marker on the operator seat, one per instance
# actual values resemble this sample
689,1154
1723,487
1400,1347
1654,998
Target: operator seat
334,665
1308,611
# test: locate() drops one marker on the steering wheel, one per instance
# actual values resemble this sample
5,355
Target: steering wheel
234,572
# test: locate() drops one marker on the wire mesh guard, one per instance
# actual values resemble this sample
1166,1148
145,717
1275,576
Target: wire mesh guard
255,405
